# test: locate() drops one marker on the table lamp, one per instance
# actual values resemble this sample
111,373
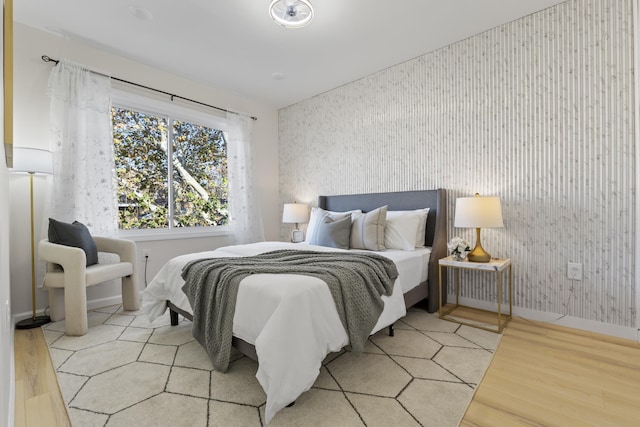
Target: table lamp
478,212
295,213
32,161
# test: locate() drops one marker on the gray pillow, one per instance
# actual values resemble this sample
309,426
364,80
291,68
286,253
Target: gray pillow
76,235
367,231
316,216
333,232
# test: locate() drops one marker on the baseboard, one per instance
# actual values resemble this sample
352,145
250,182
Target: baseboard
104,302
540,316
91,305
555,318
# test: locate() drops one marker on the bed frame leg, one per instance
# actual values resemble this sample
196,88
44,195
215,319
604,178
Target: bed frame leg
391,330
174,317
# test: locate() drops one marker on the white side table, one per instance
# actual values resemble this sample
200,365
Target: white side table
497,265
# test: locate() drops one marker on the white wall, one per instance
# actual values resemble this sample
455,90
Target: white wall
6,324
539,112
32,130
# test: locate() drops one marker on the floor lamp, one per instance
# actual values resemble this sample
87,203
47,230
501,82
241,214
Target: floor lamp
32,161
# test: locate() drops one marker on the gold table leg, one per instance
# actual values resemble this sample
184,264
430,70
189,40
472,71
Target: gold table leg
503,320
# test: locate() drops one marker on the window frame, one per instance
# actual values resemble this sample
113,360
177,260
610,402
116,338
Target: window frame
172,111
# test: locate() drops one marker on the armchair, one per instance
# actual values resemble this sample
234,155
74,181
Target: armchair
67,278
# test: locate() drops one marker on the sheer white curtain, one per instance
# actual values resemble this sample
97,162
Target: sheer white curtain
244,203
82,145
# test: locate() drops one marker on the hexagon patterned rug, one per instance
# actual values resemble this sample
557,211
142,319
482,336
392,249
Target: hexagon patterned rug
128,372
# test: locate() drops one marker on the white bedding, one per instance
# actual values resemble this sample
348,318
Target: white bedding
290,353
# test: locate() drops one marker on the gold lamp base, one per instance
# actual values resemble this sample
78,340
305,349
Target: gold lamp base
478,254
33,321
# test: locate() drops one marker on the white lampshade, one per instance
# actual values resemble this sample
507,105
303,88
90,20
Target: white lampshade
478,212
295,213
32,160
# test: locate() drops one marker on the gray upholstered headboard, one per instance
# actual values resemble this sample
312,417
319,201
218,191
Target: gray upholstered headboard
436,233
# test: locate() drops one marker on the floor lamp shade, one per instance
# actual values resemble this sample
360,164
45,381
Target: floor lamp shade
295,213
33,161
478,212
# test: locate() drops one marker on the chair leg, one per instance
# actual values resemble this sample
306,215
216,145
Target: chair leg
130,293
75,301
56,304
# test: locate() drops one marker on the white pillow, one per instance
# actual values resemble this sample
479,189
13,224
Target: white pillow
421,227
400,232
367,230
316,216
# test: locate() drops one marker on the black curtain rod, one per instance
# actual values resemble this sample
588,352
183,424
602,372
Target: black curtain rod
46,58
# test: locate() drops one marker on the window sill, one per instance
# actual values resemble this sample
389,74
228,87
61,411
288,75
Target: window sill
174,234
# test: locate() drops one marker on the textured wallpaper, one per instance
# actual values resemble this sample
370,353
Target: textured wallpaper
538,112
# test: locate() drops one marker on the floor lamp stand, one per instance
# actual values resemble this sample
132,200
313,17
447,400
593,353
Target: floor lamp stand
34,321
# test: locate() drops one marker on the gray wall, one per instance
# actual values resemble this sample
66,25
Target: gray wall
538,112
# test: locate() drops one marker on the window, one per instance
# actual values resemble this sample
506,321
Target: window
171,166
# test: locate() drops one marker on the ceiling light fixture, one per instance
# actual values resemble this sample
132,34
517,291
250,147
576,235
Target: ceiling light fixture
291,13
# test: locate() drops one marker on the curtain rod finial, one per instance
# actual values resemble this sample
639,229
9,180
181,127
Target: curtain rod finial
46,58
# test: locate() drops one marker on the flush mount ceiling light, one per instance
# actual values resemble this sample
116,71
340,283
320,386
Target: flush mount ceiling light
291,13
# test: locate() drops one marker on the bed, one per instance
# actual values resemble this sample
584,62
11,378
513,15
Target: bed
290,354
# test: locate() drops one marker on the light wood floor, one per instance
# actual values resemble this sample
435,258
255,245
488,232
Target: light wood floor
547,375
541,375
38,399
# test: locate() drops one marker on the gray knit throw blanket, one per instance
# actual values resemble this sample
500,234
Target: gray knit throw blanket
356,281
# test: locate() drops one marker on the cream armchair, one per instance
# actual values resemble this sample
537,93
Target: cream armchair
74,277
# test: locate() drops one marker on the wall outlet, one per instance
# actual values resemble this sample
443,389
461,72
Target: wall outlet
574,271
146,253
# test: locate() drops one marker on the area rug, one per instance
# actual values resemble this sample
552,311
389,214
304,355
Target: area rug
128,372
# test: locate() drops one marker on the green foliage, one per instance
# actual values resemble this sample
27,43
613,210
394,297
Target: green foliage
199,172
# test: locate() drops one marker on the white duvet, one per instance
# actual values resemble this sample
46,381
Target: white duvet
290,319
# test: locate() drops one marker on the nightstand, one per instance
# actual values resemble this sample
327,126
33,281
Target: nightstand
497,266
